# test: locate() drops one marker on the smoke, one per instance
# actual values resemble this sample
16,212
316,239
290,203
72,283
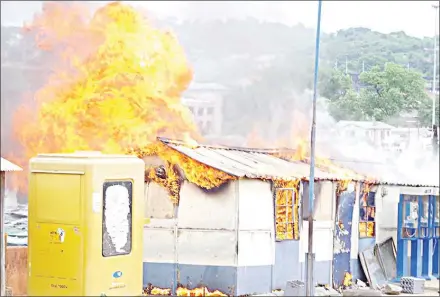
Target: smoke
267,70
413,164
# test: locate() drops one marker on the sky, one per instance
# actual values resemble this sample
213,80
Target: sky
416,18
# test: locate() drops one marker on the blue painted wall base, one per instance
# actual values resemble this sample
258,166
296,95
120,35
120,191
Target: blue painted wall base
402,244
427,259
416,255
435,258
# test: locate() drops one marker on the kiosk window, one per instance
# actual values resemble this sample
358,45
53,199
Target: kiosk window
367,214
117,218
286,214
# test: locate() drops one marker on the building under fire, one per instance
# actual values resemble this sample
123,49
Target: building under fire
249,234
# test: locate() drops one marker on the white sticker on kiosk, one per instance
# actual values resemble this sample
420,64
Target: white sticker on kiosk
96,203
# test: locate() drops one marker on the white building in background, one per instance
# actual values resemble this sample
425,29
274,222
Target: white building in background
8,199
377,133
205,102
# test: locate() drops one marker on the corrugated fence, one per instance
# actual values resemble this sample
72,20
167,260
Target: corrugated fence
16,269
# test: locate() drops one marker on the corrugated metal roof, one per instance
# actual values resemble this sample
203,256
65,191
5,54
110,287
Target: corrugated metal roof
249,163
390,174
261,163
9,166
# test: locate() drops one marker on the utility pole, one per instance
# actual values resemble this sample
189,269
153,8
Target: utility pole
434,68
363,66
310,287
434,84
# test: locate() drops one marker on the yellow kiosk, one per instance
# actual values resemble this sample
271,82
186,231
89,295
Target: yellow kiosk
85,225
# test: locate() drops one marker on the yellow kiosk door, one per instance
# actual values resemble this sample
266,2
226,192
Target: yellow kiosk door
56,249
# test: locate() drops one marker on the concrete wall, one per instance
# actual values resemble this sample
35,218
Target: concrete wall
324,214
194,243
207,236
256,234
290,255
223,239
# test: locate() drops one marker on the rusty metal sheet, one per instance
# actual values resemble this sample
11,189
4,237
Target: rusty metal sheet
387,255
342,237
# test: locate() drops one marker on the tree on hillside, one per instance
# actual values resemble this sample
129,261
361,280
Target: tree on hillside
386,94
364,48
334,84
424,112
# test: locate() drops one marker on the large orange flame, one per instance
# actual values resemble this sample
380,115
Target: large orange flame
116,87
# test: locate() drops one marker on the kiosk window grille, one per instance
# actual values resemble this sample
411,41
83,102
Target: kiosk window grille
367,215
117,218
286,214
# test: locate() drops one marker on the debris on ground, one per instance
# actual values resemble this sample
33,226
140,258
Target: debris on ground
361,292
295,288
361,284
151,290
326,291
391,289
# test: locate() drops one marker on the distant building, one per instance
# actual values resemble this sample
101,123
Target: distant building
429,82
6,167
378,133
205,102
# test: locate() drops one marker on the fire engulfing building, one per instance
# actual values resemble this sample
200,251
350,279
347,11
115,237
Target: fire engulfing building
247,234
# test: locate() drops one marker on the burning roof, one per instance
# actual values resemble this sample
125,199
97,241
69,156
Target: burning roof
269,164
251,163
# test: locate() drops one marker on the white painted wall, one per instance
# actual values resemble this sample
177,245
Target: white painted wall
214,210
256,205
322,240
204,231
326,202
159,246
325,207
157,203
207,247
207,225
159,234
387,200
256,240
